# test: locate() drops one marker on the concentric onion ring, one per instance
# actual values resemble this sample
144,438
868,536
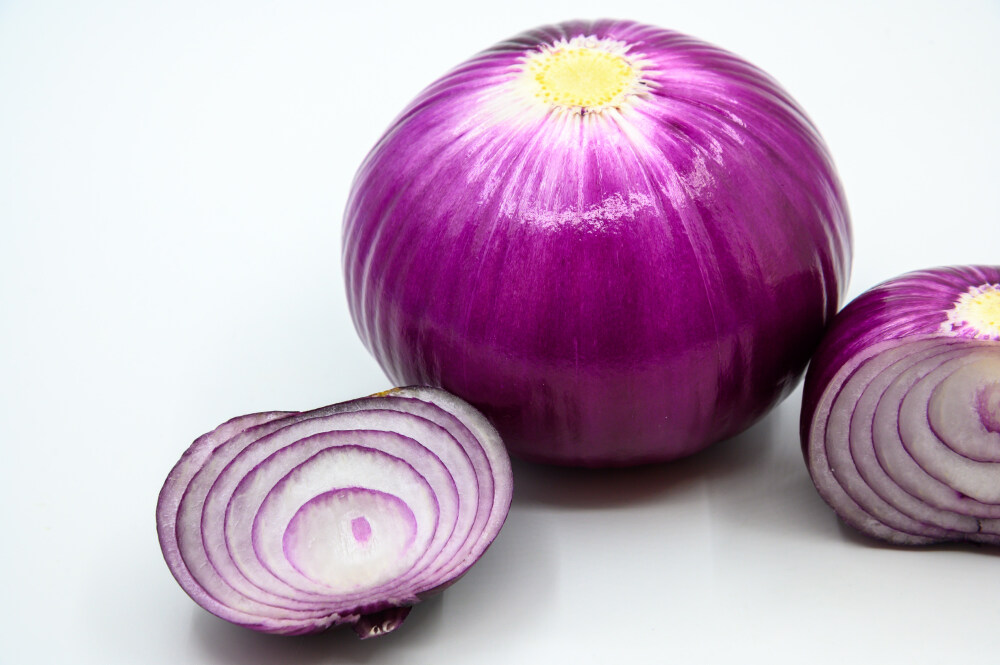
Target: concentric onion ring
291,522
901,409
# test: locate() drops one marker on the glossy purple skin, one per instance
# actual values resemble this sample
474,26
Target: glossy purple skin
610,288
911,306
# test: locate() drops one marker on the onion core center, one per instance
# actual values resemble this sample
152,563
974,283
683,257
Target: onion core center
361,529
976,313
367,535
584,73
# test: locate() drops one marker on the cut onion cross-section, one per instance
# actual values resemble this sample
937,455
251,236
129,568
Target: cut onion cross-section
292,522
901,409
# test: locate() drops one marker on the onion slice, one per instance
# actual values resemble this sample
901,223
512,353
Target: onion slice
901,409
292,522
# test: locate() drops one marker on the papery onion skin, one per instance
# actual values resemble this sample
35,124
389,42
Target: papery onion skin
330,488
894,348
614,285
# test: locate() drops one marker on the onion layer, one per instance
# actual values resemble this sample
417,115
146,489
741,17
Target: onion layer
620,243
291,522
901,409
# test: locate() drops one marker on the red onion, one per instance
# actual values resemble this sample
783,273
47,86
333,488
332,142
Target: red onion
620,243
901,409
289,522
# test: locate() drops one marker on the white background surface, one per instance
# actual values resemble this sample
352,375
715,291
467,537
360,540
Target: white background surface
172,177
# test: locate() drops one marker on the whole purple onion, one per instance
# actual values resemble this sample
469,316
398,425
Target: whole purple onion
901,409
620,243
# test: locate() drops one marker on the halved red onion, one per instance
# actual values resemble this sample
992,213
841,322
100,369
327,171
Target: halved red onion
291,522
901,409
620,243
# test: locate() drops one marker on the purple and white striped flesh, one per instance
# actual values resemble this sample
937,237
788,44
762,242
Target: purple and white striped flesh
901,409
292,522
